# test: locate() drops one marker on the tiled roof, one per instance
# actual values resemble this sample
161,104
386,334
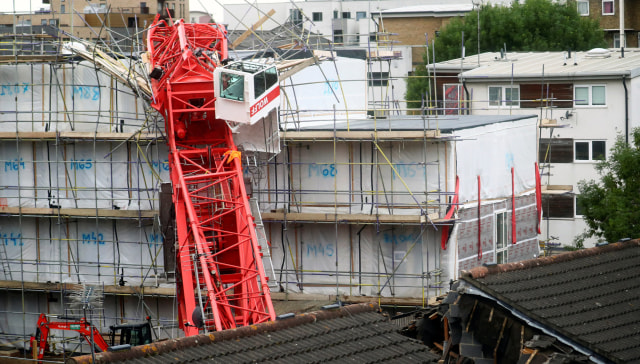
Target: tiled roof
591,297
356,334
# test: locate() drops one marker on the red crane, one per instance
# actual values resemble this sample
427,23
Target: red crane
221,282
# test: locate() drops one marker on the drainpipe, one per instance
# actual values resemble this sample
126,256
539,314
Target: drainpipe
466,92
623,40
626,110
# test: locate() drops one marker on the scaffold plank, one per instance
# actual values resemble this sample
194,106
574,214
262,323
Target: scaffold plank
46,211
359,135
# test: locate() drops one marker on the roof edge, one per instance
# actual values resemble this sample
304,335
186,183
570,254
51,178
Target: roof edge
483,271
166,346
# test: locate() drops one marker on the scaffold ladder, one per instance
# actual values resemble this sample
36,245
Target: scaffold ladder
4,258
265,247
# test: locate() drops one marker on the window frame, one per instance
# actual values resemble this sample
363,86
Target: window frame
590,152
616,40
361,15
613,7
590,96
346,15
378,79
316,16
504,103
504,250
450,106
578,7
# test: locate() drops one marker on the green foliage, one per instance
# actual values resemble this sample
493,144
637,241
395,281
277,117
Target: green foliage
535,25
611,207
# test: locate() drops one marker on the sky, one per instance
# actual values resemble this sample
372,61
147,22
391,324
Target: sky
7,6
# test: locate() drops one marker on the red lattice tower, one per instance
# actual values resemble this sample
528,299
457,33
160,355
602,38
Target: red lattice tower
218,253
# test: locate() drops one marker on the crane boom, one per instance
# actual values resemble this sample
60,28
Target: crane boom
221,281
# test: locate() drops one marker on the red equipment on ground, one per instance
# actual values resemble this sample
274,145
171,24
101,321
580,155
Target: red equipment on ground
221,282
82,326
121,336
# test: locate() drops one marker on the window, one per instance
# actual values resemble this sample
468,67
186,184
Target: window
43,22
583,8
378,78
502,237
607,7
361,15
504,96
53,22
590,150
317,16
346,15
373,37
335,14
579,209
232,86
337,36
590,95
264,80
453,97
62,9
295,16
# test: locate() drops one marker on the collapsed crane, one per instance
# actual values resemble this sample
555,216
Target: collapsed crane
221,282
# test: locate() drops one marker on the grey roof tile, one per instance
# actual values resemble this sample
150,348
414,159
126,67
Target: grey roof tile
352,334
592,296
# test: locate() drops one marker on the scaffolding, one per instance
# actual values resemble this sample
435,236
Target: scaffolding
353,205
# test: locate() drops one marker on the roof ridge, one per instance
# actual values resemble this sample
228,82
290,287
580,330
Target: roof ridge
483,271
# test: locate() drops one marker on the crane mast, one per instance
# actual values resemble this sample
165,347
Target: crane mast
221,282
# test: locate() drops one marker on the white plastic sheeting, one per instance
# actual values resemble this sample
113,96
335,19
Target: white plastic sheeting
355,178
83,174
85,250
357,260
315,93
65,97
489,152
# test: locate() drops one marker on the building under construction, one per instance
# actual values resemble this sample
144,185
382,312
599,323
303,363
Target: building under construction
354,199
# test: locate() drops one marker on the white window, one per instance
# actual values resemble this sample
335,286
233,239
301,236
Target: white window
607,7
590,150
504,96
502,237
590,95
583,8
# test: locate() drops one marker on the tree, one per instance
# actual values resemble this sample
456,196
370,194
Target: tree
535,25
611,207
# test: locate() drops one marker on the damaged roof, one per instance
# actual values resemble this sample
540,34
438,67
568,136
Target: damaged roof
589,299
355,333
